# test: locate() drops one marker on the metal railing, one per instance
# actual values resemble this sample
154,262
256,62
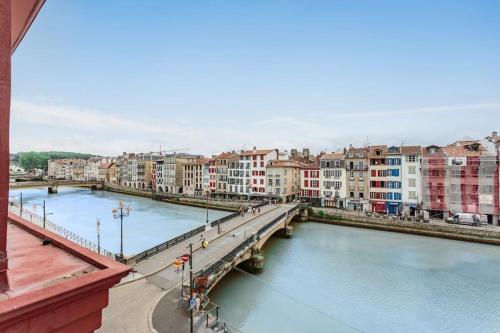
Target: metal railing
235,253
34,218
176,240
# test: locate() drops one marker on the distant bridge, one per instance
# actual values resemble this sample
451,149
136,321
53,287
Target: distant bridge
56,183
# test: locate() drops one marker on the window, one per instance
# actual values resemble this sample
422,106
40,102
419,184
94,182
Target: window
261,164
412,182
306,174
374,173
270,182
412,170
351,194
412,195
351,174
262,182
254,164
411,158
306,183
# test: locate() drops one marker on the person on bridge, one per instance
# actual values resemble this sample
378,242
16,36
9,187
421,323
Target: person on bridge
204,242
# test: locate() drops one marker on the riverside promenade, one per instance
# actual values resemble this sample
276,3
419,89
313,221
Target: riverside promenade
149,299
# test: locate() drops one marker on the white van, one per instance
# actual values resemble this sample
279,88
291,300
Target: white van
468,218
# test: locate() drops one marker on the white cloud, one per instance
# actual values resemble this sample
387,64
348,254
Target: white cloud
458,108
48,126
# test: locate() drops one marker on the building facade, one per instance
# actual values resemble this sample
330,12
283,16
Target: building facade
356,163
310,183
333,180
411,171
393,178
283,180
377,185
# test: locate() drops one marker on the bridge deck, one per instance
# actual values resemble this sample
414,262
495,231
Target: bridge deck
166,313
232,235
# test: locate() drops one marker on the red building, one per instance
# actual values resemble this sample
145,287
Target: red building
47,283
310,183
212,174
462,177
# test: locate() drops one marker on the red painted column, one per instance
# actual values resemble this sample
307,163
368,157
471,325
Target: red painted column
5,56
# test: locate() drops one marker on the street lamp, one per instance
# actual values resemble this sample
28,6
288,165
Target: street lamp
207,224
120,213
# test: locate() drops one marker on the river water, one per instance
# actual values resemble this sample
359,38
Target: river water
149,223
339,279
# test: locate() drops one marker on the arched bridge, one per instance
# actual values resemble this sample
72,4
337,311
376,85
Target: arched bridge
238,239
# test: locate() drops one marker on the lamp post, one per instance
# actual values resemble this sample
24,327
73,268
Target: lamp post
45,214
119,213
98,229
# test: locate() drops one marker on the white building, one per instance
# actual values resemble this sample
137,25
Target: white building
258,160
411,170
238,174
333,180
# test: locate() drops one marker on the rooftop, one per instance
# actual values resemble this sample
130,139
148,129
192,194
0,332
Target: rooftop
333,156
285,164
34,266
256,152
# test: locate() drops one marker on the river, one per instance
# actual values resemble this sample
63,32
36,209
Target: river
150,222
340,279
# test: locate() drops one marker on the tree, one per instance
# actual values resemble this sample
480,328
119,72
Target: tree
33,160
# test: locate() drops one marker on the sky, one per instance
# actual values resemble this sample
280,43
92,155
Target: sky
106,77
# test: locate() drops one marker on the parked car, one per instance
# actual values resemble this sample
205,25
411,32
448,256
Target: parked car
468,218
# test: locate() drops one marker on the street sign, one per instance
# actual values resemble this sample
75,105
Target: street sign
192,303
185,257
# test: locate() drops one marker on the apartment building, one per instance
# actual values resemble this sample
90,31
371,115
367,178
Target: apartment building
377,172
411,178
283,180
239,175
192,176
258,160
310,183
461,177
212,175
356,163
393,177
333,180
221,166
206,176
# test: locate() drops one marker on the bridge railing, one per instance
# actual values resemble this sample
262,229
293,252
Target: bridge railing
34,218
176,240
231,256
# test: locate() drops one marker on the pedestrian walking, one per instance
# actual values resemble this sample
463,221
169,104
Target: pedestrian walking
203,242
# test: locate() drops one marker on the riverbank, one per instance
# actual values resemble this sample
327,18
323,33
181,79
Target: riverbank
223,205
482,236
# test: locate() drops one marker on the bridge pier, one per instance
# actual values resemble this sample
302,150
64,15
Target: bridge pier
304,215
255,264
